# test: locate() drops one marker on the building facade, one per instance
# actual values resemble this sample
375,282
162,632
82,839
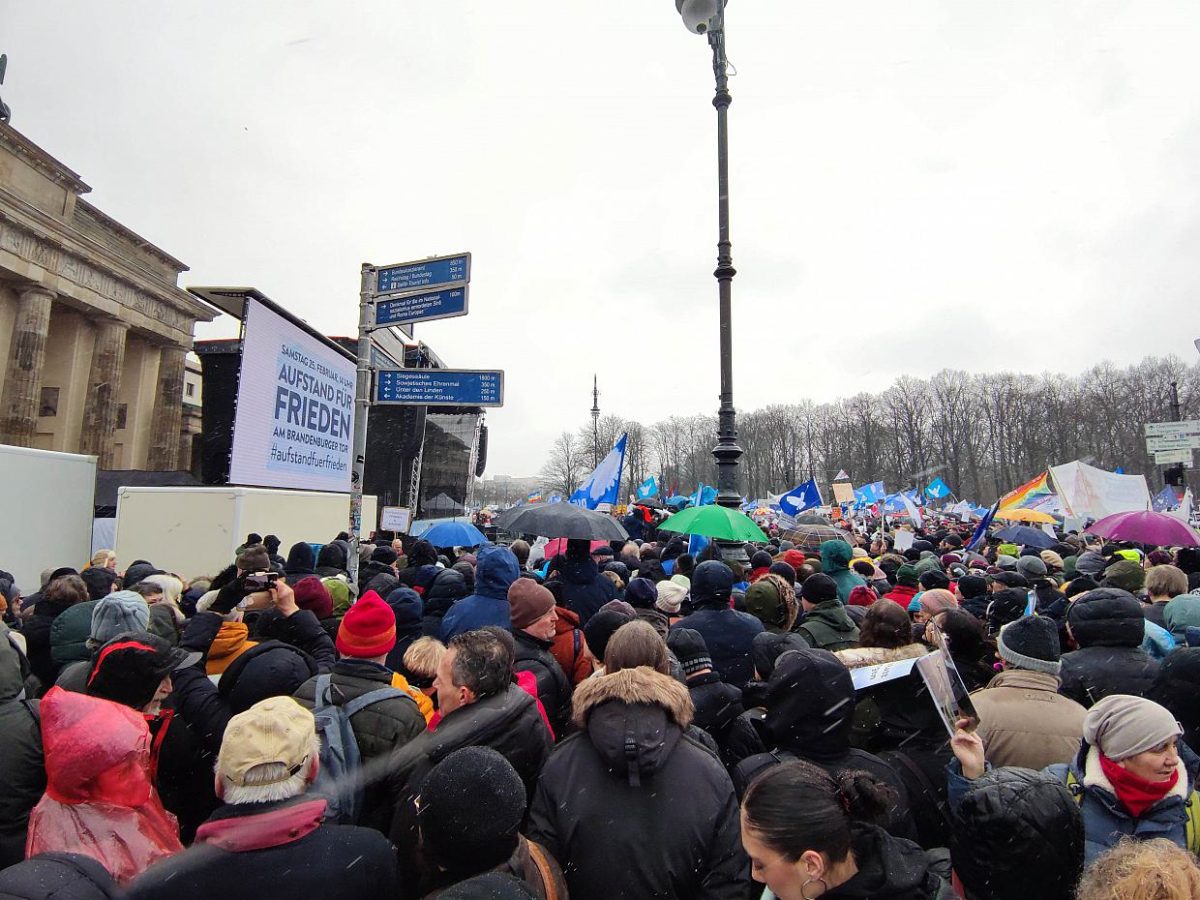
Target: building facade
94,324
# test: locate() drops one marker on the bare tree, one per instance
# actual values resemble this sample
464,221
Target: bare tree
566,466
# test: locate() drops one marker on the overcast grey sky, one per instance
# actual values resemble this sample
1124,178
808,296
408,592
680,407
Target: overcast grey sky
914,185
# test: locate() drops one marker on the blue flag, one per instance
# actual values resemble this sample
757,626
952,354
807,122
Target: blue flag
798,499
647,489
937,489
870,493
704,496
981,529
603,484
696,543
1165,499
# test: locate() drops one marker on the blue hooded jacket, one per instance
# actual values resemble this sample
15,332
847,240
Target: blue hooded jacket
495,570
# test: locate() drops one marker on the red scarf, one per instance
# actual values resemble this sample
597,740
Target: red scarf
1135,793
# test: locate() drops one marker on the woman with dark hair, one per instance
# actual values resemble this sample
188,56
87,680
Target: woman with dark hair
809,835
973,652
884,636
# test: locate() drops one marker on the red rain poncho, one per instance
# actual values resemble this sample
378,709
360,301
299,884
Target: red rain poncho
99,800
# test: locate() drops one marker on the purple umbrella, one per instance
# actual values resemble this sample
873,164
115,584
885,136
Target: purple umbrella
1146,527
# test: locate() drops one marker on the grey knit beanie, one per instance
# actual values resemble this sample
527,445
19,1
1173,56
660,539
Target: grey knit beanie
1122,726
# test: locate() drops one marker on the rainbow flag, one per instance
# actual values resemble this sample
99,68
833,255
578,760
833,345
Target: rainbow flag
1029,495
535,497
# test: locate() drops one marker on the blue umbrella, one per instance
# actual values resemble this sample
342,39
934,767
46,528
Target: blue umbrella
454,534
1026,537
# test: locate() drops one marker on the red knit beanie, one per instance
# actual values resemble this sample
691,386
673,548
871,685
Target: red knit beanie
311,594
368,628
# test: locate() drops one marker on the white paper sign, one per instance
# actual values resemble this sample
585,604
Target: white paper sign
395,518
903,540
866,676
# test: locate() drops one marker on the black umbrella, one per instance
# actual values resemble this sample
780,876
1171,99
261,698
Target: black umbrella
649,503
564,520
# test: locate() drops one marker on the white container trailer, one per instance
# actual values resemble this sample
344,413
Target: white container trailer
49,502
194,531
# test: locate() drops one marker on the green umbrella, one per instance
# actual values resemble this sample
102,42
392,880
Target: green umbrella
715,522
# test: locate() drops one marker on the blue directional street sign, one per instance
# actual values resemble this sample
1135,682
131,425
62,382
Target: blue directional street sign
437,271
441,304
440,387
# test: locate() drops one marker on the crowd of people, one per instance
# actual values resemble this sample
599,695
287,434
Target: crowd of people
615,720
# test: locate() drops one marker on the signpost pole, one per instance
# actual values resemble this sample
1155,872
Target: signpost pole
362,405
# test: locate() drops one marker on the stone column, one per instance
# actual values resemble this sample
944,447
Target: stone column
104,391
168,410
26,360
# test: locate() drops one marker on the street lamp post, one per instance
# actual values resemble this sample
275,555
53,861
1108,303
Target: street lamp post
708,17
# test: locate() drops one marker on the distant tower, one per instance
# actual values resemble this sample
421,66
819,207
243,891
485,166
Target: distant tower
595,423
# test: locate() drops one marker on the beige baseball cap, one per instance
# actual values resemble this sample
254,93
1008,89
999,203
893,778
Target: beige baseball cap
275,730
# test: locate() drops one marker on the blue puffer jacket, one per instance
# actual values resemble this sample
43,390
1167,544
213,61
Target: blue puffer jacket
584,589
495,570
835,562
1106,821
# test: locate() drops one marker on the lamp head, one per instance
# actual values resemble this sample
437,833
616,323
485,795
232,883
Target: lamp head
699,15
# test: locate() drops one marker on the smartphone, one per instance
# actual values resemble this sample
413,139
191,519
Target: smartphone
260,581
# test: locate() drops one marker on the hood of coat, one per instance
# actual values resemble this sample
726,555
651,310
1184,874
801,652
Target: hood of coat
810,704
70,631
1022,828
332,556
857,657
96,751
835,556
1107,617
634,718
269,669
833,615
576,571
300,558
231,639
496,568
408,607
888,867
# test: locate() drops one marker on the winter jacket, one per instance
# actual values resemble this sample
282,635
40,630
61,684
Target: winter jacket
857,657
584,589
1024,721
729,636
1018,828
1108,626
902,594
529,864
553,687
439,588
1105,819
509,722
718,711
275,850
165,622
835,562
495,571
63,876
275,668
827,626
810,711
369,571
36,631
1177,687
633,807
570,646
22,773
379,729
232,640
890,868
69,633
100,800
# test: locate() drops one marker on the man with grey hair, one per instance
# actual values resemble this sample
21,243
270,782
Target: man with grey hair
269,840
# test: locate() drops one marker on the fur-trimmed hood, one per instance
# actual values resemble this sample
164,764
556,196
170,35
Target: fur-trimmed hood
634,719
642,685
